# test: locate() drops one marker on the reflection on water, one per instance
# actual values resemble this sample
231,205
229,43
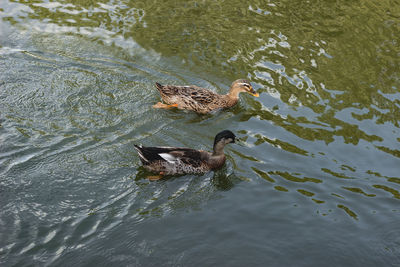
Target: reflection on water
76,89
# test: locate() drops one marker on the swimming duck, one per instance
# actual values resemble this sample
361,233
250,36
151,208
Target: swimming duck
201,100
179,160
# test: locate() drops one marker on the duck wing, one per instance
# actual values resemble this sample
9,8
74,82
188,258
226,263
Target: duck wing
172,155
195,93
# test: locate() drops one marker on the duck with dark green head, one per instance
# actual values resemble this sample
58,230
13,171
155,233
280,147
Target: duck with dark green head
179,160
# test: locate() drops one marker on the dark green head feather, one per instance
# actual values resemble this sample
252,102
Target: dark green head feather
224,135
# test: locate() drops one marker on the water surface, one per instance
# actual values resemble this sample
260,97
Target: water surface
315,182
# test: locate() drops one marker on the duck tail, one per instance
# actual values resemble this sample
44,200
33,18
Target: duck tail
140,153
159,86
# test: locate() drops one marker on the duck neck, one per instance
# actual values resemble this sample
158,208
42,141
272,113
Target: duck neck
218,149
232,97
234,93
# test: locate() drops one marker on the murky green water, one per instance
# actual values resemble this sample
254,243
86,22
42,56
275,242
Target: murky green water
316,182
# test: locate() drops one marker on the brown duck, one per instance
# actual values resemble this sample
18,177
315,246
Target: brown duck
201,100
178,160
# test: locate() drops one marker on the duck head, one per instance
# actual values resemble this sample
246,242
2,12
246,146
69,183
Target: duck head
242,85
221,139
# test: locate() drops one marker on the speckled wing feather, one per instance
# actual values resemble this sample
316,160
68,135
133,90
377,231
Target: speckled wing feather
189,157
201,95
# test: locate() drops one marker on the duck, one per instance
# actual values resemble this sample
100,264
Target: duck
181,160
201,100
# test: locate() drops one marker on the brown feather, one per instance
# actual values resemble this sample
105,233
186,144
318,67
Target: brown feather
198,99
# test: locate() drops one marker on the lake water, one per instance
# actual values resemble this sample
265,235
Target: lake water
315,181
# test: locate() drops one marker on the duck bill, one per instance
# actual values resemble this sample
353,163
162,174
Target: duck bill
254,94
240,142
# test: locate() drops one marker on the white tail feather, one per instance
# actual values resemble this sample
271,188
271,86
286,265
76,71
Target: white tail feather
168,157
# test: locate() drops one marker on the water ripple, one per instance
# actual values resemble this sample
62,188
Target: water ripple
319,146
